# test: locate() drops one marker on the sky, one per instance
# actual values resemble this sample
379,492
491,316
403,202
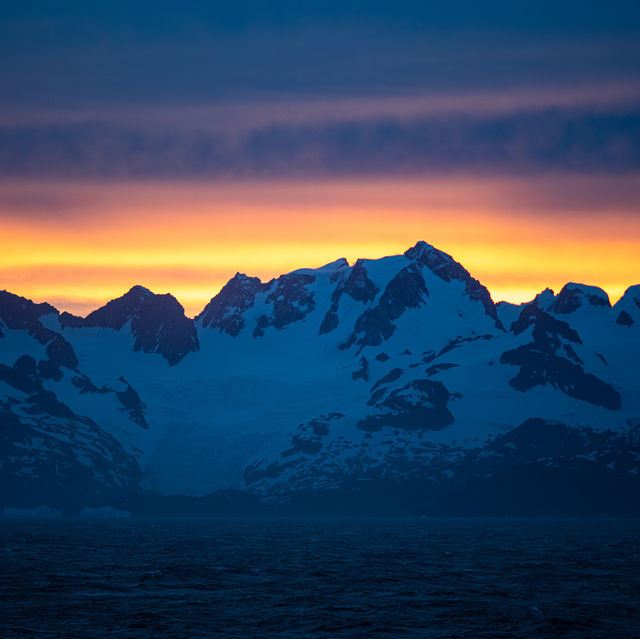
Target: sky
173,144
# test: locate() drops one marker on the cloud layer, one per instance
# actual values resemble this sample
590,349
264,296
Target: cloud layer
525,141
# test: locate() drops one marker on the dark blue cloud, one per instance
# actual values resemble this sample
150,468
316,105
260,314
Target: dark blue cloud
147,55
173,52
159,16
522,142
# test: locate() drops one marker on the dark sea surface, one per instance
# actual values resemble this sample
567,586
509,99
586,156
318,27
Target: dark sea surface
320,578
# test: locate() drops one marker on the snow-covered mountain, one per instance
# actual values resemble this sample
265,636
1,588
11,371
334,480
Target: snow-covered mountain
392,381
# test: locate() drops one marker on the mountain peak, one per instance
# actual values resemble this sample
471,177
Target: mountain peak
336,265
544,299
117,312
420,248
242,277
158,322
12,304
574,296
446,268
225,310
628,307
138,291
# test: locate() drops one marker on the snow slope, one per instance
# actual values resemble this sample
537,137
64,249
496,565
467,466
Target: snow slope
396,368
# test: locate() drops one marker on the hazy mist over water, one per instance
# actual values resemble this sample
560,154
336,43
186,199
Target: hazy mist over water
320,578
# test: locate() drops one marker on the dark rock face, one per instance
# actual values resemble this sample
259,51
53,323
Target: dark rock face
446,268
538,369
61,352
567,301
25,366
27,377
70,321
116,313
158,323
363,371
24,376
307,441
538,468
225,311
436,368
406,290
571,298
547,468
537,441
547,330
261,324
48,453
393,375
132,404
44,402
60,459
541,364
18,313
85,385
330,321
419,405
536,438
358,285
624,319
130,401
255,472
49,370
291,301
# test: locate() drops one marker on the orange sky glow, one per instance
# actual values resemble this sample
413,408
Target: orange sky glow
77,245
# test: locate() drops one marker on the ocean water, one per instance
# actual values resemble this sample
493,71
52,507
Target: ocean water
320,578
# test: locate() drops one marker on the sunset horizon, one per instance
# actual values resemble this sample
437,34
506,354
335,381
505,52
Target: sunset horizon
173,150
77,245
194,302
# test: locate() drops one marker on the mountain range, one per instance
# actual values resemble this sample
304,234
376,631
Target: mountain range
390,386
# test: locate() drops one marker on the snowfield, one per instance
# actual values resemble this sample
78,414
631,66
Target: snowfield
399,368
